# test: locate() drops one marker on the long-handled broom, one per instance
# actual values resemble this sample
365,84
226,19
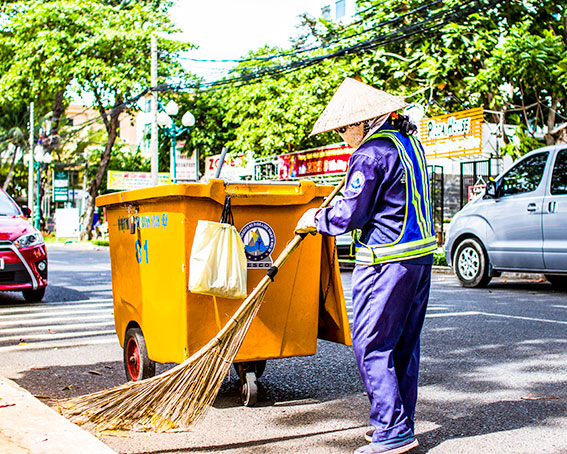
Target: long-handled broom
182,394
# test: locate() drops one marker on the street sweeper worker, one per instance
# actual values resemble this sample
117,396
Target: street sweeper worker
386,198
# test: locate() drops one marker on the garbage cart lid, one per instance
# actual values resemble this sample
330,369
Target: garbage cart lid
242,193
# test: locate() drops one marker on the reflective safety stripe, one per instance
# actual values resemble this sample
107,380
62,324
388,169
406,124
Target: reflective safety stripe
373,255
421,218
417,213
424,181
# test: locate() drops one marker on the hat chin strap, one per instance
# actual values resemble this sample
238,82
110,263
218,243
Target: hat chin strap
373,125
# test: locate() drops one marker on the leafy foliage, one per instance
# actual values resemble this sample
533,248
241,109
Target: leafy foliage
508,56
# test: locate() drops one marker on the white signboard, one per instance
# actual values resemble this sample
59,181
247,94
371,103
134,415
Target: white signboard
67,223
185,166
124,181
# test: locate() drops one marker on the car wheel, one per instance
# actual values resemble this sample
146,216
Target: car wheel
137,364
557,280
471,264
34,296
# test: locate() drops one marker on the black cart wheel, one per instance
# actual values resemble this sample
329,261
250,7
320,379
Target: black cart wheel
249,390
258,367
471,264
137,364
34,296
248,373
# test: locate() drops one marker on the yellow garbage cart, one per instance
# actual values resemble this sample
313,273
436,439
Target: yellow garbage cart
157,319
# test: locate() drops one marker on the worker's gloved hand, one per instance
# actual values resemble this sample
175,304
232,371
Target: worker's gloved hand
306,223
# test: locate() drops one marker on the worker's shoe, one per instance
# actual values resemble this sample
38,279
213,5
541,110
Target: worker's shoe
396,445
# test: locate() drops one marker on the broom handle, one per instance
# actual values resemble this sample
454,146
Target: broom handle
292,245
265,281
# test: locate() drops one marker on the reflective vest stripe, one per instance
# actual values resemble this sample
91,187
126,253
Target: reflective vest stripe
372,255
416,196
420,202
424,181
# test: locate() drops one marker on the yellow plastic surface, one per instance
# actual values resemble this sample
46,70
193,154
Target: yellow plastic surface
150,269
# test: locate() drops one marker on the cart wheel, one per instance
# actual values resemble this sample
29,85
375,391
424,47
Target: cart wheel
137,364
256,366
249,390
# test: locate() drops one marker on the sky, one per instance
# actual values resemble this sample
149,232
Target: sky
228,29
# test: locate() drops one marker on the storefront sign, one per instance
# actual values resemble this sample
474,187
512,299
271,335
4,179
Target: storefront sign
234,167
124,181
452,135
327,160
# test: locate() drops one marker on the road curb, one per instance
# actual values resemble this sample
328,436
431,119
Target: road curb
29,426
82,246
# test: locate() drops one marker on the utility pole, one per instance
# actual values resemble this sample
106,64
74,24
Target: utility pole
30,169
154,108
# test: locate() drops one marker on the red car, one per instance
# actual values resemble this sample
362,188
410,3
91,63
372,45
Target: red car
23,256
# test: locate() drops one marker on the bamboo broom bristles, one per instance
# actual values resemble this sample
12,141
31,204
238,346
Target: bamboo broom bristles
181,395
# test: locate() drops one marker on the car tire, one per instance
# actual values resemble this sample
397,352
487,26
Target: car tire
34,296
557,280
471,264
137,365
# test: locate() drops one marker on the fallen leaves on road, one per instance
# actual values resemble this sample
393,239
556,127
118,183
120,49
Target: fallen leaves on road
94,372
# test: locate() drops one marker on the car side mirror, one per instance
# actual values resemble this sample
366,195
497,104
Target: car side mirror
26,211
491,189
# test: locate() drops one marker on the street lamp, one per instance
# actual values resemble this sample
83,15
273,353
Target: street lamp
165,121
41,161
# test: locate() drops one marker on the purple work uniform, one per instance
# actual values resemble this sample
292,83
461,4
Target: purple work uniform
389,299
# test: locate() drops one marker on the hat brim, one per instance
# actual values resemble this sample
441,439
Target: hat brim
355,102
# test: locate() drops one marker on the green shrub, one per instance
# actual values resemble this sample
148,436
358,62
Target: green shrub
100,242
439,258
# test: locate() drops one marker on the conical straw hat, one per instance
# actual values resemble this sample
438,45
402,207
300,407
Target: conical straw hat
353,102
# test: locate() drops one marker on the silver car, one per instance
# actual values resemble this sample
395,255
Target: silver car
519,224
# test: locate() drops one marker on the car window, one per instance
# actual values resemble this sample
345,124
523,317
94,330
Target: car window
559,175
524,176
7,207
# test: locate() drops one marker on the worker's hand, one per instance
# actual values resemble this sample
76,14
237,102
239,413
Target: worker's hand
307,222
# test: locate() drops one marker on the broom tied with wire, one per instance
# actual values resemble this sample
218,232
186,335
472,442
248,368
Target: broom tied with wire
181,395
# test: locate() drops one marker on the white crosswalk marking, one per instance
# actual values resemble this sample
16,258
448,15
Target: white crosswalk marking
56,325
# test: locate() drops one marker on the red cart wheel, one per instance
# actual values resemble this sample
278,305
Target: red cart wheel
137,364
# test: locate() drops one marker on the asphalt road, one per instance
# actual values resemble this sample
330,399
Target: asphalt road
493,376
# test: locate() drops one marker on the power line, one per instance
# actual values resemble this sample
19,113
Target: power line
326,44
444,17
409,31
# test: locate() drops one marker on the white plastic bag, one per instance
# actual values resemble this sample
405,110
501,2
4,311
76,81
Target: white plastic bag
218,263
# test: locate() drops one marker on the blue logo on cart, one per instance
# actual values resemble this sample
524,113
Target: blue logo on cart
259,242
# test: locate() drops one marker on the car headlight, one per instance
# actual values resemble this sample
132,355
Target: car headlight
28,240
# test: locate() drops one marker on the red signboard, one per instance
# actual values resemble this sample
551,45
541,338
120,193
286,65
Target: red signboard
318,161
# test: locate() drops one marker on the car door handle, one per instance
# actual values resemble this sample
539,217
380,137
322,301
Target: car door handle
532,207
552,207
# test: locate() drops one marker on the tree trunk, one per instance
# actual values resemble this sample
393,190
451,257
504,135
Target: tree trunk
112,123
53,141
11,171
549,138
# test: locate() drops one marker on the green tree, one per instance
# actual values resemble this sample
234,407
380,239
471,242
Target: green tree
99,48
13,145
